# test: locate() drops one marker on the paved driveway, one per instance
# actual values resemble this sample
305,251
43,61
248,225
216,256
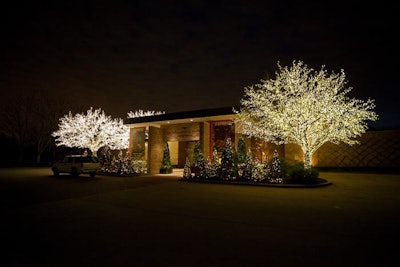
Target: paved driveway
160,221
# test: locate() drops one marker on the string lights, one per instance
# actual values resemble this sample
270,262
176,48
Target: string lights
305,107
92,130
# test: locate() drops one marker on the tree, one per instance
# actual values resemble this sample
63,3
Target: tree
214,167
197,154
227,162
199,162
17,117
248,167
305,107
48,110
166,166
187,173
241,155
92,130
275,173
30,118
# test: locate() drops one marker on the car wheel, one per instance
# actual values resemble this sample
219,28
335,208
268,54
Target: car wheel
92,174
74,172
55,172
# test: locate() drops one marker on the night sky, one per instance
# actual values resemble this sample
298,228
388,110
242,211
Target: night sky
175,56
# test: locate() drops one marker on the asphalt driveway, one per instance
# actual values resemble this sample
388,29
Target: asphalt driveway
160,221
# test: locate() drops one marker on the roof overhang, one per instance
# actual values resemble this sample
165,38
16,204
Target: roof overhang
182,117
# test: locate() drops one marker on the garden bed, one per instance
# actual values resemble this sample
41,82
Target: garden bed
319,182
119,174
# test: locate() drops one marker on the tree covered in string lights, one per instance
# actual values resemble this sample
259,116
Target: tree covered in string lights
305,107
246,173
187,173
214,164
275,171
197,154
241,155
227,168
92,130
258,171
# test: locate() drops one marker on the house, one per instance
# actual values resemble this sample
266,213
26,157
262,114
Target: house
211,127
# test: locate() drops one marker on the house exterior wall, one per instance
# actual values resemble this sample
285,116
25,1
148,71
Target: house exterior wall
155,149
377,149
137,143
181,132
205,139
185,134
265,150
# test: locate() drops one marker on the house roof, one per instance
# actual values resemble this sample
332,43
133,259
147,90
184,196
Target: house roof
186,116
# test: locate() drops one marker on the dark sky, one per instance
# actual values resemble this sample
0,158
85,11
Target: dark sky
187,55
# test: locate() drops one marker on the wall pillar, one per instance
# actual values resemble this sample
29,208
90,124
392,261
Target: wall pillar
205,139
155,149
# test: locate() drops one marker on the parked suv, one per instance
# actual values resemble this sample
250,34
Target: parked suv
76,165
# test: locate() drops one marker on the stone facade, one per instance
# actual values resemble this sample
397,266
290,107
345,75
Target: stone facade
377,149
155,149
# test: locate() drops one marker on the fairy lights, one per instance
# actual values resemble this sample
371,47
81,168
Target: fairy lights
142,113
92,130
305,107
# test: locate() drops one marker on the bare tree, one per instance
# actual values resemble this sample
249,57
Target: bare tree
48,109
16,121
30,118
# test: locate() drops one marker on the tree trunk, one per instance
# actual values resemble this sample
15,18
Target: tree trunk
307,159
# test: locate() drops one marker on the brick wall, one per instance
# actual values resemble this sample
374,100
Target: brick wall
377,149
181,132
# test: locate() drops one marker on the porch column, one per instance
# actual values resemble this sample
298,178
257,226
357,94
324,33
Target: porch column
155,150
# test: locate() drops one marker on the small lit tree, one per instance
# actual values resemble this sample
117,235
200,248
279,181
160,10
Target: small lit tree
187,173
106,160
258,171
248,167
275,172
241,155
227,167
166,166
92,130
197,154
304,107
214,168
199,163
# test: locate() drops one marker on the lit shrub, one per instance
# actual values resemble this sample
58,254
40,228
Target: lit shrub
139,166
